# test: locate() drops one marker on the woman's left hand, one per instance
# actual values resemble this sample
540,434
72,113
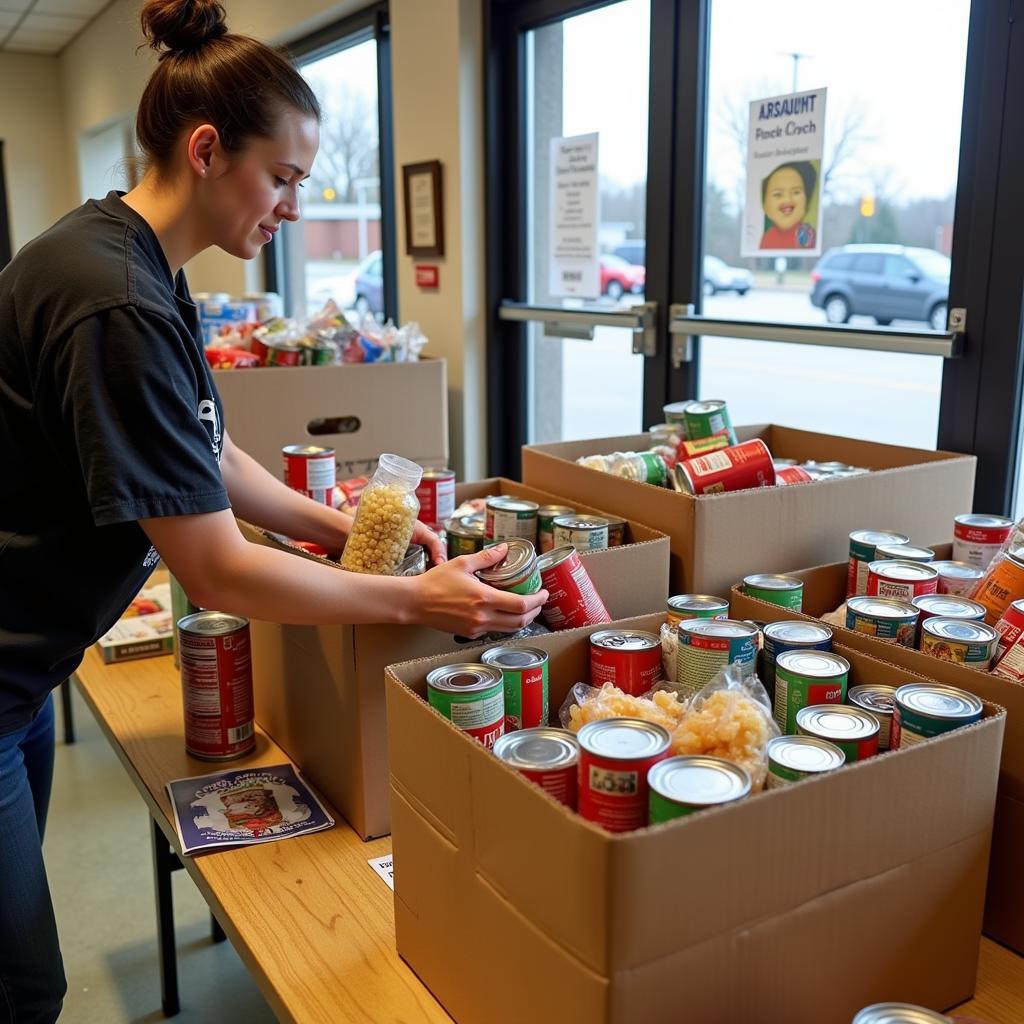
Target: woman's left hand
436,551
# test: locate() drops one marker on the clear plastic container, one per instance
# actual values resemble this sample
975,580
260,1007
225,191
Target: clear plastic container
385,518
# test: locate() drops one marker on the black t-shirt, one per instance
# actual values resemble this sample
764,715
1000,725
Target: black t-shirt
108,415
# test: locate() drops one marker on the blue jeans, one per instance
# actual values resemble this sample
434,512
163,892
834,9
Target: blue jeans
32,984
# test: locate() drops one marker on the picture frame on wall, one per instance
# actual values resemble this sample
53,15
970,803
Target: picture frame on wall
424,215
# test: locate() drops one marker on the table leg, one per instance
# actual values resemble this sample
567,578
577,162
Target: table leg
215,930
65,703
164,860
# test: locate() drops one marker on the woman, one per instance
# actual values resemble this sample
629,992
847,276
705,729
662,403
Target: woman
116,443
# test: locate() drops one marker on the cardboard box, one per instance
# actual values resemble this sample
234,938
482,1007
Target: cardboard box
801,905
718,539
319,689
824,591
365,409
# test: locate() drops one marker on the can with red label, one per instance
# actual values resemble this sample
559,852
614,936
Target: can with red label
731,469
615,756
627,658
471,697
279,354
573,599
436,495
547,757
978,538
310,470
792,475
216,682
525,673
957,578
902,581
1010,627
804,678
945,606
863,544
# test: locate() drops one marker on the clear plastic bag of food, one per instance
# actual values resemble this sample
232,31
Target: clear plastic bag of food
591,704
669,650
409,342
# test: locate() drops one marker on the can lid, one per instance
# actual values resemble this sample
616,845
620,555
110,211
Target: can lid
676,407
680,481
514,657
468,526
697,603
964,631
805,753
898,1013
467,677
518,562
983,521
575,522
541,748
699,780
814,664
877,537
797,632
838,722
211,623
555,557
623,738
550,511
702,408
896,570
718,627
876,697
438,474
773,581
624,639
937,701
949,606
904,552
307,450
508,504
881,608
958,570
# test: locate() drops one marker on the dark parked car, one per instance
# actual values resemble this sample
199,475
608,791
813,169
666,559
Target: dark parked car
370,285
888,282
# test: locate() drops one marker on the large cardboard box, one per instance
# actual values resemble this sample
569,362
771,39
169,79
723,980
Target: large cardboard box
798,905
824,591
717,539
320,689
360,410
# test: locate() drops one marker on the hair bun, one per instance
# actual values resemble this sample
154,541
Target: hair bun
181,26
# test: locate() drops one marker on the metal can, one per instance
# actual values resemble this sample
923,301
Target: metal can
957,578
511,517
616,532
666,433
627,658
930,606
547,757
691,449
978,538
903,553
471,697
731,469
852,729
436,495
884,618
310,470
793,758
545,525
585,533
902,581
696,606
806,679
788,475
780,637
923,710
877,699
279,354
517,572
705,419
1002,584
899,1013
706,646
675,416
973,644
785,591
863,544
525,673
216,682
615,756
643,467
1010,627
679,786
465,536
573,600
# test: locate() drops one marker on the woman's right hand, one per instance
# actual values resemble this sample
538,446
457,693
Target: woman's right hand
450,598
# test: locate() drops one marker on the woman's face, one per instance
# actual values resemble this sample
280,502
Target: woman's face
785,201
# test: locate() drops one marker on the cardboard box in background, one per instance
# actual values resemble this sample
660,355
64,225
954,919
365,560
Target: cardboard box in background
799,905
376,407
320,689
824,591
718,539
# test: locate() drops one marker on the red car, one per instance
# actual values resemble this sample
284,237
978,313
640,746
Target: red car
618,277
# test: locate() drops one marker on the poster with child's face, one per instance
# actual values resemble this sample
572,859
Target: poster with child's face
782,216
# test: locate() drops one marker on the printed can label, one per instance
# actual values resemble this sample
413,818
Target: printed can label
480,714
526,696
793,692
699,658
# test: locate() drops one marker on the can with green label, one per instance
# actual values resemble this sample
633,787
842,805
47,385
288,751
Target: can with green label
465,536
785,591
804,678
680,786
705,419
517,572
546,515
471,697
923,710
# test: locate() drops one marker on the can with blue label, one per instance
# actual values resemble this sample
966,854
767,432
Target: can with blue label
883,617
780,637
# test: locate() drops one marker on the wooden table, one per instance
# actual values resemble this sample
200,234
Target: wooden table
311,920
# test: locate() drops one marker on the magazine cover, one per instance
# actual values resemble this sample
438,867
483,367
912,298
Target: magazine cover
249,805
146,628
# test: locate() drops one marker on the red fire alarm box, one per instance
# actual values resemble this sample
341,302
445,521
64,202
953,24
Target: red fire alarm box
427,276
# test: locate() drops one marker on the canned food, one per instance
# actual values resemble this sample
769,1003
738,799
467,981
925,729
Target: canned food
923,710
785,591
573,600
511,517
545,525
706,646
465,536
615,756
852,729
899,1013
878,699
696,606
793,758
883,617
675,416
978,538
902,581
691,449
471,697
279,354
679,786
318,353
863,545
310,470
585,533
517,572
967,643
944,606
903,553
731,469
666,433
616,533
780,637
1002,585
643,467
547,757
627,658
525,674
1009,627
805,679
436,495
216,682
705,419
957,578
787,475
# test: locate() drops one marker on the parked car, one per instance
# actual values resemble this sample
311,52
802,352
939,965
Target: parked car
618,276
633,250
720,277
369,287
888,282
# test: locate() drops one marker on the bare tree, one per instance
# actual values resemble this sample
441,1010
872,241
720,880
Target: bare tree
349,147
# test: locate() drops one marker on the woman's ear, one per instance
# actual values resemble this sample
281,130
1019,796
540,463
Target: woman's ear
204,150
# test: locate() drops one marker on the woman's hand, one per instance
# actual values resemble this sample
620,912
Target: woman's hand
423,534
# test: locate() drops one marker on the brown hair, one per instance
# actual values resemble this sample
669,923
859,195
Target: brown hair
207,75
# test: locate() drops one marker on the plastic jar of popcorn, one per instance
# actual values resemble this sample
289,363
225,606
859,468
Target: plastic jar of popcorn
385,518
